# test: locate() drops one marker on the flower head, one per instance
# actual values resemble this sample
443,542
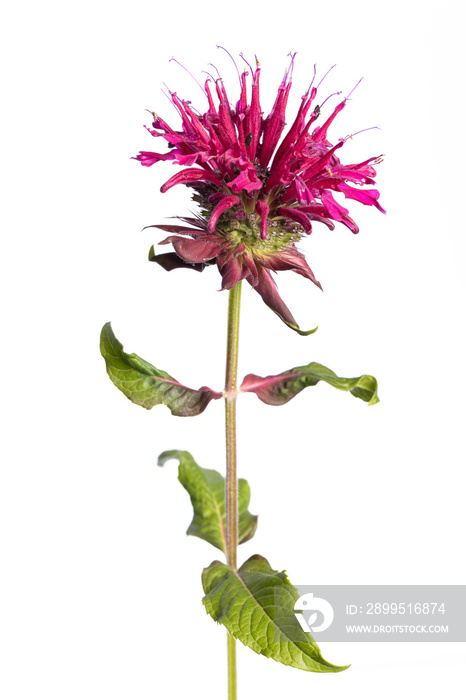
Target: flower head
257,196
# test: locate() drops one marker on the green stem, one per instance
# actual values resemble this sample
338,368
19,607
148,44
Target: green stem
231,667
231,482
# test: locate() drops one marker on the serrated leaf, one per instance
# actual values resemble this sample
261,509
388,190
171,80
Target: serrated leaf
256,605
206,488
278,389
147,386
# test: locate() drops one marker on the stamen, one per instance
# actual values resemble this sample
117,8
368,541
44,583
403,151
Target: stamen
321,81
350,136
210,75
289,72
348,96
188,72
234,62
168,97
313,78
219,76
247,63
327,98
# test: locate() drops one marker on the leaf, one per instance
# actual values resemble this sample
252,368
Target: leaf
207,490
148,386
256,605
278,389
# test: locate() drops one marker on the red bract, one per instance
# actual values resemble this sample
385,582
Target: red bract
256,200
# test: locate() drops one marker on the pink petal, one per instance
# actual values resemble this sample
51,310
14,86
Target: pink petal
335,210
262,209
274,124
190,175
253,120
320,134
296,215
295,130
246,180
303,191
148,158
226,203
368,197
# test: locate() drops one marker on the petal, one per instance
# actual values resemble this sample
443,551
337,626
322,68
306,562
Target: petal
335,210
296,129
246,180
369,197
304,194
316,212
226,203
253,120
348,221
148,158
262,209
296,215
320,134
274,123
190,175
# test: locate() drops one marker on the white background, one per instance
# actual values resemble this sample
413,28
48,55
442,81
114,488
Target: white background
100,586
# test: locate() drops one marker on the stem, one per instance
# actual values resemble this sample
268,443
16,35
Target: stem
231,667
231,486
231,482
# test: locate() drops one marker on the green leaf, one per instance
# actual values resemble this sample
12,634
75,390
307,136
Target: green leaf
278,389
207,490
256,605
147,386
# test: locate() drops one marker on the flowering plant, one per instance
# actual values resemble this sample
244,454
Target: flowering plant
258,195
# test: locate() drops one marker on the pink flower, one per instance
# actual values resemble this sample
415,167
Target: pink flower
258,196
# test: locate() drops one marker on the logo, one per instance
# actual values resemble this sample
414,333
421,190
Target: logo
314,608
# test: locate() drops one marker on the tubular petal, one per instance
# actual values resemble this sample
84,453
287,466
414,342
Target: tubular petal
262,209
296,215
224,204
190,175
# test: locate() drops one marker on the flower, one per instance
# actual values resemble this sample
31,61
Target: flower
257,197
